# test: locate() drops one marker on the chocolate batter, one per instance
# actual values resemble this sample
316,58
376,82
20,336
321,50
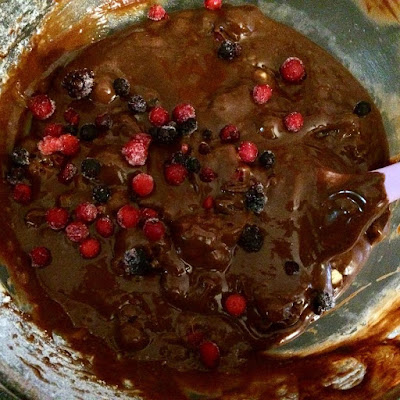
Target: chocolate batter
319,215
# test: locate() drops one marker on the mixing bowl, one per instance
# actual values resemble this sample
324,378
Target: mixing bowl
365,36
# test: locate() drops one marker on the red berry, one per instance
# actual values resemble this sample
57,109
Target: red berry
69,145
77,231
71,116
262,94
67,173
293,122
229,134
40,257
248,152
175,174
158,116
22,193
90,248
182,112
57,218
213,4
194,339
147,213
143,184
136,150
292,70
207,174
104,227
41,106
235,305
54,130
185,148
209,354
156,12
208,203
128,216
86,212
154,229
49,145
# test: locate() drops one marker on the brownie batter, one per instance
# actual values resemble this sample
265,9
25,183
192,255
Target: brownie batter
253,251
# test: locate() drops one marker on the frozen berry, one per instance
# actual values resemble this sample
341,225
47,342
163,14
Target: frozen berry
187,127
158,116
292,268
154,229
156,12
69,145
71,129
229,134
251,239
267,159
121,87
255,198
208,203
213,4
207,174
182,112
90,248
103,122
175,174
248,152
67,173
293,122
362,109
209,354
22,193
88,132
71,116
229,50
262,94
15,175
143,184
136,150
235,305
54,130
101,193
49,145
57,218
204,148
40,257
136,262
104,227
20,157
137,104
86,212
322,302
167,134
77,231
193,165
147,213
79,83
292,70
207,135
179,158
41,106
128,216
90,168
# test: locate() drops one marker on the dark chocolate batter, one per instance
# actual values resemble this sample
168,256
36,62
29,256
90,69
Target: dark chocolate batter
322,211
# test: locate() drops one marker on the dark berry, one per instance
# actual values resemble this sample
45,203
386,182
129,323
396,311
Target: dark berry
101,193
103,122
229,50
104,227
142,184
193,165
292,268
292,70
267,159
41,106
175,174
209,354
22,193
179,158
88,132
229,134
362,109
248,152
40,257
128,216
90,248
235,304
121,87
156,12
71,129
77,231
67,173
79,83
90,168
322,302
182,112
71,116
187,127
207,135
204,148
255,198
15,175
207,174
137,104
251,239
20,157
136,262
154,229
167,134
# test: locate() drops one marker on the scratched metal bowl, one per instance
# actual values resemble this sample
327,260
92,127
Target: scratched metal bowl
34,367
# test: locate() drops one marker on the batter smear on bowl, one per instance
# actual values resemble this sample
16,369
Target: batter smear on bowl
192,191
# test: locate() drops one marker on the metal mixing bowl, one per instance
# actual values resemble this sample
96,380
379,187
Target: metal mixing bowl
34,367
